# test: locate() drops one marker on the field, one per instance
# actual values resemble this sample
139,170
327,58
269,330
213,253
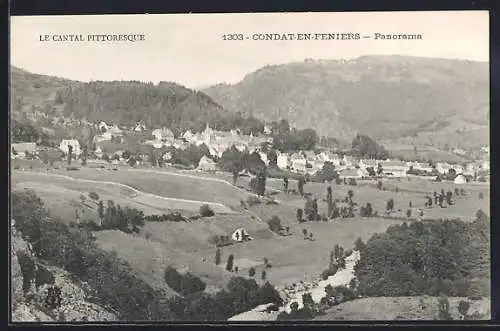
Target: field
185,245
399,308
407,152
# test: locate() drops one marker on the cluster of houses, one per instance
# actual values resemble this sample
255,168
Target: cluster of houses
304,162
307,162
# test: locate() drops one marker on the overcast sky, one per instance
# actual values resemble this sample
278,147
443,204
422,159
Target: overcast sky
189,49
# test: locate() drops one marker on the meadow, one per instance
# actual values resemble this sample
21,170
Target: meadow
186,246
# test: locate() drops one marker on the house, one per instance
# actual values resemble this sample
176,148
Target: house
263,157
443,167
64,146
284,161
485,165
299,162
23,149
102,126
241,235
188,135
206,164
460,179
140,127
350,173
394,168
163,134
268,129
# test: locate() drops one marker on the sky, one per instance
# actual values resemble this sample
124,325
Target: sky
189,48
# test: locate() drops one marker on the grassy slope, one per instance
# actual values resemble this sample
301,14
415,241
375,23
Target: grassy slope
398,308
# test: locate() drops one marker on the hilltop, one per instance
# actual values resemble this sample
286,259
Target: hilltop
119,102
410,100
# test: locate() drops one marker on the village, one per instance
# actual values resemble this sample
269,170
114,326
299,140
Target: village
110,145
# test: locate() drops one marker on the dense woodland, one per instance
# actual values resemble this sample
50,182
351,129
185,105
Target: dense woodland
448,257
165,104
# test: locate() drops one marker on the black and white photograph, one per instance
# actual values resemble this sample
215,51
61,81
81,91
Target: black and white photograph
250,167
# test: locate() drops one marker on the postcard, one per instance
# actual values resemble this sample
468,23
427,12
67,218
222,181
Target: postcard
250,167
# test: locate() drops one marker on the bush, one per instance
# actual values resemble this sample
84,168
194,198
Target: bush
274,224
206,211
72,168
251,272
94,196
253,200
44,276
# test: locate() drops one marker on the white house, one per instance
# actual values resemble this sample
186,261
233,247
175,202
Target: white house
268,129
460,179
206,164
284,161
163,134
64,146
299,162
443,167
241,235
263,157
188,135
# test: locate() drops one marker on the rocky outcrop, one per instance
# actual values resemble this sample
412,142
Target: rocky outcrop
28,305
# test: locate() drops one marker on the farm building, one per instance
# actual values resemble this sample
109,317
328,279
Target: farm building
283,161
394,168
240,235
22,149
64,146
206,164
460,179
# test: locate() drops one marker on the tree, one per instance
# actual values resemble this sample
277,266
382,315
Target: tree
463,308
329,201
85,154
449,195
481,216
272,157
206,211
251,272
304,232
379,185
350,194
258,183
230,260
364,146
100,210
390,205
274,224
327,172
232,160
263,275
300,215
132,161
315,208
408,213
309,210
410,204
217,256
301,183
359,245
45,157
70,154
285,184
444,309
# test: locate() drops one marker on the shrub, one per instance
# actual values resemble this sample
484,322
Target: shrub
44,276
27,269
359,245
206,211
230,261
94,196
253,200
463,308
251,272
275,224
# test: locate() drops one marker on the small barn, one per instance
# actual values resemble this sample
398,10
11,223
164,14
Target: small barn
241,235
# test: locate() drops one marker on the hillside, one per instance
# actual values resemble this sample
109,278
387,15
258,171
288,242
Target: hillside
119,102
387,97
